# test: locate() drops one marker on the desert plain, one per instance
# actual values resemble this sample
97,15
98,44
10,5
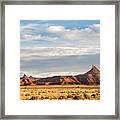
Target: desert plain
60,92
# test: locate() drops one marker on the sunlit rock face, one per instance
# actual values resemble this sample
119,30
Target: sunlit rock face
92,77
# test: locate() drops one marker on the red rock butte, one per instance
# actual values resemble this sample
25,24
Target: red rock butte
91,77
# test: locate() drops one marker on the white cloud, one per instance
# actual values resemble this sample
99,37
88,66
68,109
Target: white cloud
95,26
75,34
31,37
39,37
28,26
55,29
48,74
52,45
82,35
60,34
62,42
41,52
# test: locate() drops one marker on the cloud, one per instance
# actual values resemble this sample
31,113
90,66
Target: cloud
81,35
48,74
28,26
95,27
59,47
76,63
88,33
55,29
50,32
31,37
46,52
60,41
60,36
38,37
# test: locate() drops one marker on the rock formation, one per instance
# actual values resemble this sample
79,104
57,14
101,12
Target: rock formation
92,77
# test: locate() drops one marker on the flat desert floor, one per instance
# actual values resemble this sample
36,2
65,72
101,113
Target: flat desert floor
60,92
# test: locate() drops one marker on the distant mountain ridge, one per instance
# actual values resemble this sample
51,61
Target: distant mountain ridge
91,77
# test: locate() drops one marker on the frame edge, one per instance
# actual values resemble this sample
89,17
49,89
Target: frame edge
117,25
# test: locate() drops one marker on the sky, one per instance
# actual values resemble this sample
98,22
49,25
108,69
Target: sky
58,47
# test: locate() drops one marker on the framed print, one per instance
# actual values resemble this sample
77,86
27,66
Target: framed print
60,59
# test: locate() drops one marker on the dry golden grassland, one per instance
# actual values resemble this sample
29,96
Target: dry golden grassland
60,92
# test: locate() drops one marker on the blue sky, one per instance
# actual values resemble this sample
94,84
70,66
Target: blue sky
59,46
70,24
